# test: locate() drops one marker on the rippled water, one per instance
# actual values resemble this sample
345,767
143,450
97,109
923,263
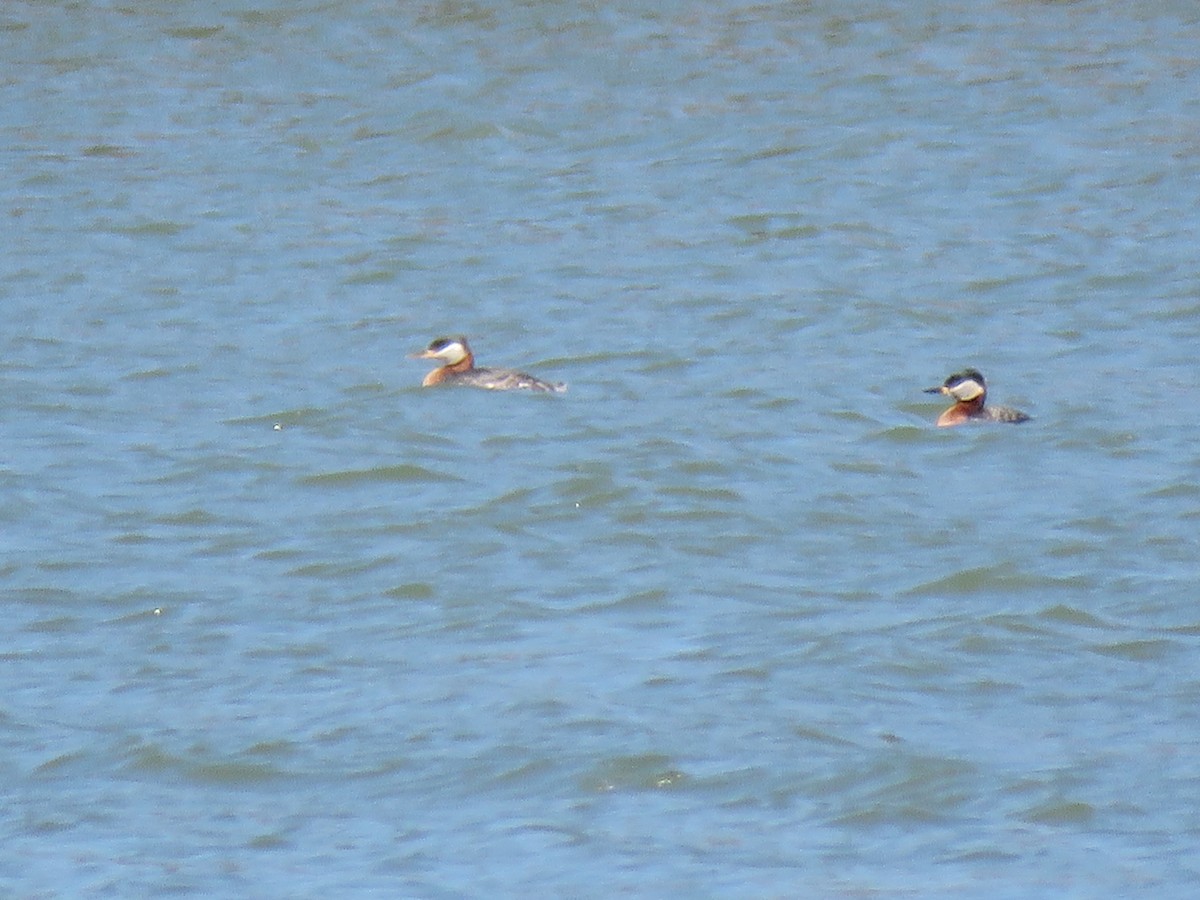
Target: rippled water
730,618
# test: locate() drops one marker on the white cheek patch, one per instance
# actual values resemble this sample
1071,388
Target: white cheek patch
451,353
967,390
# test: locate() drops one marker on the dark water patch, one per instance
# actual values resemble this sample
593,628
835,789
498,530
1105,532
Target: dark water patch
634,538
862,466
985,286
40,596
995,580
647,772
656,599
905,434
847,418
402,473
1101,526
1017,624
704,494
704,467
276,840
132,538
285,417
983,854
69,564
1188,490
234,773
1071,615
151,228
432,128
152,760
271,17
774,152
991,688
982,644
521,776
372,276
190,518
679,516
1121,445
1059,549
662,366
281,554
1133,280
76,762
451,13
1152,650
900,789
556,835
291,650
413,590
821,737
150,374
141,616
340,571
194,32
930,671
1060,812
593,492
745,673
1186,310
517,499
841,508
758,400
111,151
761,227
89,390
55,625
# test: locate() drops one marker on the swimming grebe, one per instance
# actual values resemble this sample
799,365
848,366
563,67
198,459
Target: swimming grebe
458,367
969,391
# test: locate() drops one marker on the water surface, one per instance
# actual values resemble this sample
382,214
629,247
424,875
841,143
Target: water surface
730,618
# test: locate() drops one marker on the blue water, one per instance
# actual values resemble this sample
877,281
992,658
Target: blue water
731,617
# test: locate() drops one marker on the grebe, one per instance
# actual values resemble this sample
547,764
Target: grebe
969,391
458,367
